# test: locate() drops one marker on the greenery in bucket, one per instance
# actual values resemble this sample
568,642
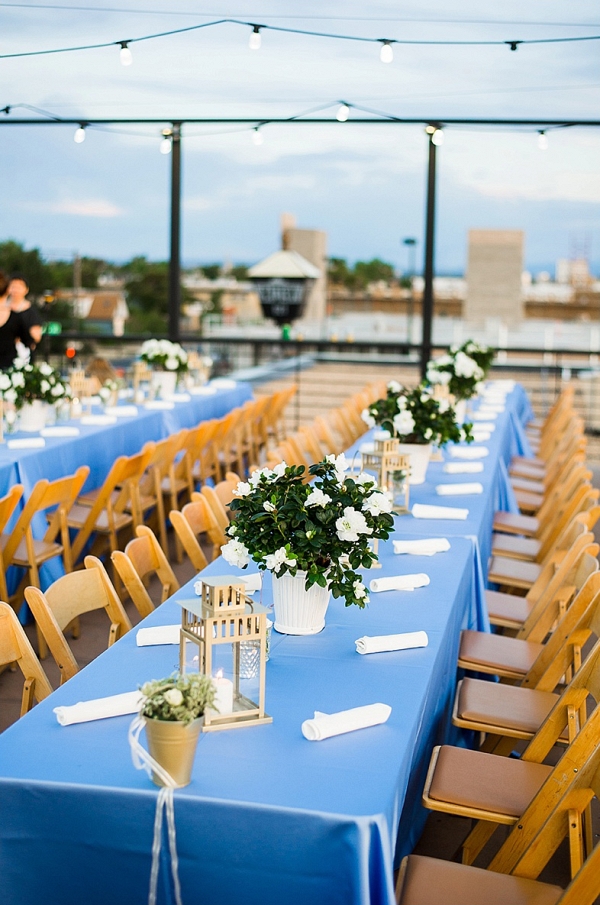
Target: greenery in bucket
179,698
462,370
164,355
24,382
323,528
416,416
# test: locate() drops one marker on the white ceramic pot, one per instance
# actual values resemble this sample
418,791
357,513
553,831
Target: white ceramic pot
32,416
419,454
460,408
298,611
164,383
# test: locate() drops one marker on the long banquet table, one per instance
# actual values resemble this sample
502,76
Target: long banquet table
269,817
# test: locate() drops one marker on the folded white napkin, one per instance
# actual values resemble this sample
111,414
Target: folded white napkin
253,582
488,426
224,383
377,644
90,420
100,708
425,546
463,467
324,725
158,634
159,405
506,385
469,452
489,409
203,391
399,582
420,510
480,436
60,431
121,411
458,489
179,397
26,443
486,418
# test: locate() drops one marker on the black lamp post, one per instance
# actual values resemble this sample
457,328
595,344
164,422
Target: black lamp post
411,244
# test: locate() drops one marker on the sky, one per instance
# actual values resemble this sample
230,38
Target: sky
363,185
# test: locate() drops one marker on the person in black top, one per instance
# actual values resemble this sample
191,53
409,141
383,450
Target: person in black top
20,304
12,327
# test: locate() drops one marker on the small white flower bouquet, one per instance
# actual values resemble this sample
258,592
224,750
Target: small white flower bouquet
25,382
165,355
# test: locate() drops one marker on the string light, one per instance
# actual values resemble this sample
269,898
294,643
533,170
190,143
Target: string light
257,136
542,140
343,112
166,144
438,137
79,134
255,39
386,54
125,54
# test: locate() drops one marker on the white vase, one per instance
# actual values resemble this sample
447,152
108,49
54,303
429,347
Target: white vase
298,611
419,454
32,416
460,408
164,383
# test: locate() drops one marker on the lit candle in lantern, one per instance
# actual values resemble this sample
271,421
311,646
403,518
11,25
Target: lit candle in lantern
224,694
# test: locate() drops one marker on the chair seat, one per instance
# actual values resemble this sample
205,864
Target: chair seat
530,461
79,514
42,552
528,503
177,486
517,711
528,485
431,881
511,523
507,609
525,548
514,572
478,781
497,654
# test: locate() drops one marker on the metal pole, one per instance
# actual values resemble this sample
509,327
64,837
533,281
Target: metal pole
427,308
174,298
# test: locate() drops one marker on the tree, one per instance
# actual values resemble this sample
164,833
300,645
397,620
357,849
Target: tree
372,271
211,271
338,271
239,272
13,257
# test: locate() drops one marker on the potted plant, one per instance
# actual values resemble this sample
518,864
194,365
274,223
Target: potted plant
462,370
173,709
168,361
417,419
311,536
31,388
109,392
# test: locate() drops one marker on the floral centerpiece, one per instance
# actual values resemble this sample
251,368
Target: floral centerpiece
319,532
109,392
462,370
25,382
165,355
416,416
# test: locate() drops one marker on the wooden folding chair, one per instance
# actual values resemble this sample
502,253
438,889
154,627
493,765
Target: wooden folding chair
541,525
195,519
201,452
8,505
68,598
531,549
216,506
167,475
15,648
105,516
143,556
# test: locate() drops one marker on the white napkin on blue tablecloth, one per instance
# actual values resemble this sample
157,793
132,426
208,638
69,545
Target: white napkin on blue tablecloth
158,634
421,510
469,452
26,443
425,546
325,725
378,644
463,467
224,383
121,411
100,708
203,391
90,420
159,405
459,489
399,582
60,431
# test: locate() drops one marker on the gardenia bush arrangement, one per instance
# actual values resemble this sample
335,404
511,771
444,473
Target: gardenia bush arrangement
322,528
25,382
161,353
178,698
462,370
416,416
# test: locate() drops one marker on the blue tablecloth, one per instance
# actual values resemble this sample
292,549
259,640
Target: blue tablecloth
269,817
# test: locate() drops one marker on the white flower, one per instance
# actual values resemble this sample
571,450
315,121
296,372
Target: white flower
45,369
236,553
404,423
364,478
10,395
368,418
104,394
341,465
269,507
479,386
278,471
360,592
18,379
242,489
425,397
57,390
465,366
173,697
394,387
377,503
5,382
443,406
428,433
317,498
171,364
351,525
20,363
401,403
274,561
44,387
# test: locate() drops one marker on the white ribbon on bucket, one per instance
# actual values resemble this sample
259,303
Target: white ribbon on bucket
142,760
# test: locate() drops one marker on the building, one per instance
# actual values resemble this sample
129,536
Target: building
494,268
312,245
103,310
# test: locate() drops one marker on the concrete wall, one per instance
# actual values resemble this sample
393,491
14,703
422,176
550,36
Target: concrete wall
312,245
494,268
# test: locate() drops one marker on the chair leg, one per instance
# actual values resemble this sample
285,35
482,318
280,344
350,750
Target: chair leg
479,836
27,698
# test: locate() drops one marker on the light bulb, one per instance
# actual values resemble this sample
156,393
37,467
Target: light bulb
254,42
542,141
386,54
125,54
257,136
343,113
438,137
165,146
79,135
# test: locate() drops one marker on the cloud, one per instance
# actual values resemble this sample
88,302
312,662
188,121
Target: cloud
564,186
81,207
